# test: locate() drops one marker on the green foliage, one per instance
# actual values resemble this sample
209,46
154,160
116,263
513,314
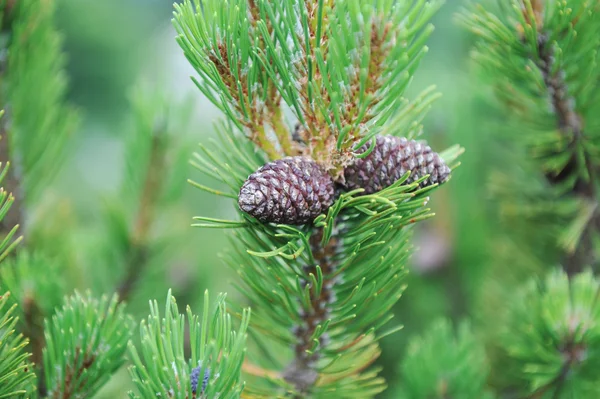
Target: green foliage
34,281
158,124
160,367
16,375
540,58
552,336
340,66
140,235
8,243
275,269
86,341
36,85
442,364
322,293
210,33
542,61
358,54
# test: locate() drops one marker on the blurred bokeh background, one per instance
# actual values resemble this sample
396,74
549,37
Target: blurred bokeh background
123,51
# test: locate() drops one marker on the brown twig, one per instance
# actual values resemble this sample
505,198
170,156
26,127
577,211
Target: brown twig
301,372
573,353
254,123
137,256
571,125
72,374
33,329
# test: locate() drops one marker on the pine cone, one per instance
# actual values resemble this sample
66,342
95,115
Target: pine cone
195,378
391,158
292,190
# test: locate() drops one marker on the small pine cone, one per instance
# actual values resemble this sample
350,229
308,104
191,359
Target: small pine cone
391,158
292,190
195,377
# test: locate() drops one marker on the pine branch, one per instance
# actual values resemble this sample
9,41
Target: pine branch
232,76
160,367
551,335
37,284
33,138
322,291
16,371
36,86
287,275
319,56
570,123
86,343
542,58
445,364
137,253
140,217
16,215
301,371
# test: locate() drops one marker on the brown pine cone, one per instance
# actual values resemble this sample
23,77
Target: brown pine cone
292,190
391,158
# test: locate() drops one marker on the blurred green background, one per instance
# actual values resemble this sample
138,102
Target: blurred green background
114,46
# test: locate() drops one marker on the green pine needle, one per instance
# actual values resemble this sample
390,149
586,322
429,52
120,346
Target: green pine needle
341,69
552,334
17,379
86,342
8,242
271,259
33,278
442,363
40,120
540,59
160,367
